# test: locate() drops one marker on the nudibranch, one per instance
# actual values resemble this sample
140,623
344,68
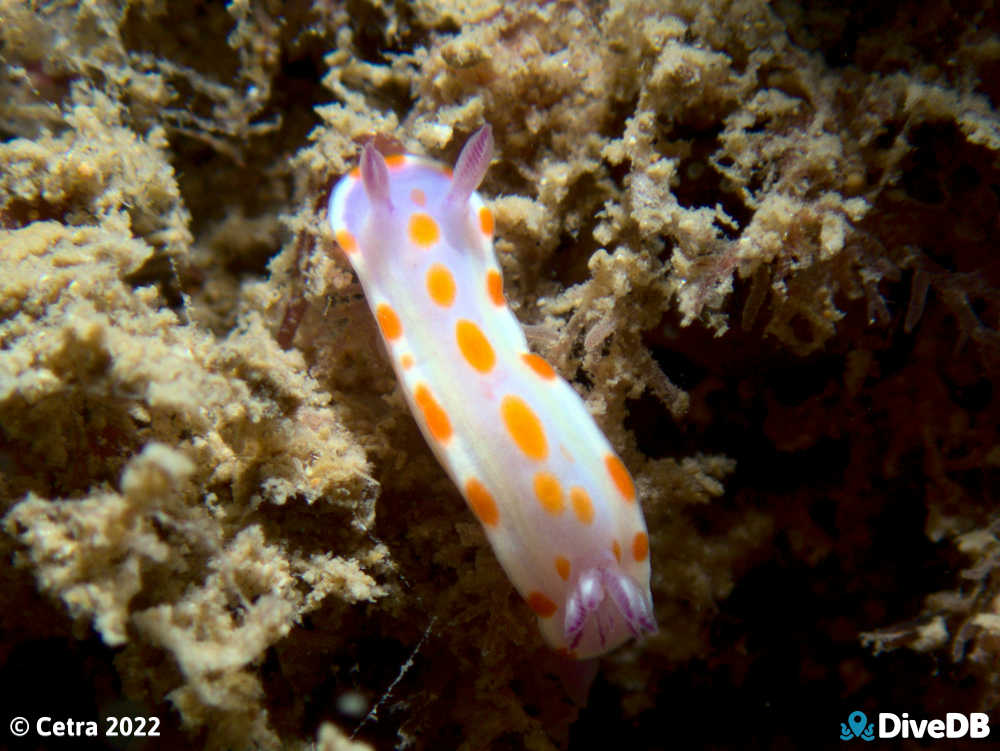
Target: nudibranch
557,504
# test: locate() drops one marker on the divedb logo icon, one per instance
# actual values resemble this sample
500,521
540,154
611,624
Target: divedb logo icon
890,725
857,726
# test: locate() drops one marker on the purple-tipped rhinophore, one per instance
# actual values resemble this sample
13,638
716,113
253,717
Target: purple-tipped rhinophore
375,176
472,164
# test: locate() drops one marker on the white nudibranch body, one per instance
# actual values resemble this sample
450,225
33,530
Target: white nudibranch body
555,501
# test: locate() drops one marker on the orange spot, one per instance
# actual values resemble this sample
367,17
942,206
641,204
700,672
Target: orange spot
539,365
620,477
562,567
494,286
346,241
542,605
640,546
388,321
524,427
549,492
355,173
418,197
395,161
617,550
441,285
436,418
583,507
482,503
423,230
475,347
406,361
486,221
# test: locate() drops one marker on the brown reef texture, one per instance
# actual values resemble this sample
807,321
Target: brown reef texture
759,238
